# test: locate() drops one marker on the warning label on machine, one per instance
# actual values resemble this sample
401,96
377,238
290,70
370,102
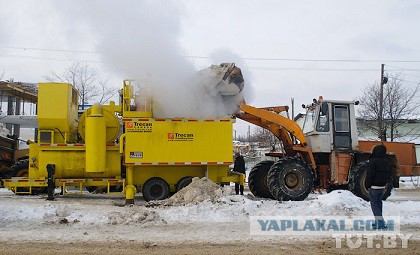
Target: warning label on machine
180,137
143,127
136,154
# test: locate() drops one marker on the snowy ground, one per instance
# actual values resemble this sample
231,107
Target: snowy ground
101,219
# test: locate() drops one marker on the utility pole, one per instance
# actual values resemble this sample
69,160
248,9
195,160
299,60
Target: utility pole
293,108
381,99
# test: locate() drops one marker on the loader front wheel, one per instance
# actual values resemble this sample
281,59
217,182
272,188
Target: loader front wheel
290,179
257,179
357,181
155,189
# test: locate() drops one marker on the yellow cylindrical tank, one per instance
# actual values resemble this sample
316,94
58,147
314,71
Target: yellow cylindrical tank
95,139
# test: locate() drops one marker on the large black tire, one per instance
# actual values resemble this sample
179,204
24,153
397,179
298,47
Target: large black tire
290,179
257,179
6,173
155,189
184,182
357,182
20,168
94,189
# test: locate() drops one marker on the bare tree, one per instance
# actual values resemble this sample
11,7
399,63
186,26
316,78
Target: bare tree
399,107
2,74
88,81
263,137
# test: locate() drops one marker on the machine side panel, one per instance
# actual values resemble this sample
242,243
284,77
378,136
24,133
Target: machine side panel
178,141
70,163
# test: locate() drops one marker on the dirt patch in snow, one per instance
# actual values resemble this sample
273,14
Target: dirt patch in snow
198,191
142,217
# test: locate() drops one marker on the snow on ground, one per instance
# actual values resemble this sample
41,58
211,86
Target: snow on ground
410,182
224,217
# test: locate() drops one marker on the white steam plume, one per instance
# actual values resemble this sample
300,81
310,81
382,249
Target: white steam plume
139,40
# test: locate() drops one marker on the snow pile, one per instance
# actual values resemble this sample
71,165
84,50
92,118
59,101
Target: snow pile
198,191
341,202
6,191
341,199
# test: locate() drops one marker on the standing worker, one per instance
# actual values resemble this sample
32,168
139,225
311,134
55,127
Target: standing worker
377,177
239,166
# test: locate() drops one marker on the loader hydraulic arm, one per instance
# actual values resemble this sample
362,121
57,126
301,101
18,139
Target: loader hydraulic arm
283,128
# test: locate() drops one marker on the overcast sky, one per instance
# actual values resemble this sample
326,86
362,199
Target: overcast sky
120,37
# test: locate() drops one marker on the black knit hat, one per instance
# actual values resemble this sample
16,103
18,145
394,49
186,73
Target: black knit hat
379,151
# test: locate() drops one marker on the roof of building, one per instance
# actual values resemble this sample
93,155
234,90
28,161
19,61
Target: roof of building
22,90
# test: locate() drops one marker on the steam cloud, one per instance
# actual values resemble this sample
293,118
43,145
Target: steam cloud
139,40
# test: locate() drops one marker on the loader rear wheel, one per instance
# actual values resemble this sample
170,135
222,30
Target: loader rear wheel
184,182
257,179
155,189
357,181
290,179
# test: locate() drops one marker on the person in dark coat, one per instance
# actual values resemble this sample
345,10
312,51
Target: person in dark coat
377,177
239,166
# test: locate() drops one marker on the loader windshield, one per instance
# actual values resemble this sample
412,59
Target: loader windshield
309,125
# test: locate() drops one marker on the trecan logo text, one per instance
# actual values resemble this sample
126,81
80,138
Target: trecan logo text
180,137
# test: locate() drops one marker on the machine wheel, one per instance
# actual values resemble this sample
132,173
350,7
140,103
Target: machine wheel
290,179
5,173
20,169
155,189
184,182
116,188
257,179
93,189
357,183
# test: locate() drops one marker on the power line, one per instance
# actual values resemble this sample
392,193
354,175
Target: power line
253,68
43,49
413,75
245,58
399,67
315,69
311,69
404,80
319,60
402,69
45,58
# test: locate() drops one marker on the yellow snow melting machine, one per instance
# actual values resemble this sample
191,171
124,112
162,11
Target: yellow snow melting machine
122,147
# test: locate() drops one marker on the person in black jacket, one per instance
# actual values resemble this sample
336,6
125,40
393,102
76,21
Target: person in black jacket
377,177
239,166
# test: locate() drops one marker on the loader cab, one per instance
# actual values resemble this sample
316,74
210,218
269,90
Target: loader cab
330,126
